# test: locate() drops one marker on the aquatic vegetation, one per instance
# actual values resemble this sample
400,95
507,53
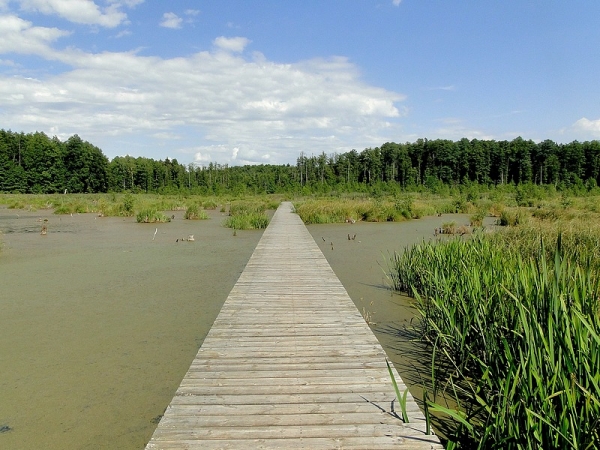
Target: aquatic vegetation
477,218
512,217
151,216
514,320
210,204
248,214
401,398
247,221
194,212
352,210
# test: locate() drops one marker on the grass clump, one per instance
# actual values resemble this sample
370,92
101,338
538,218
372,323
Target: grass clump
477,218
449,227
247,215
194,212
210,204
516,327
247,221
151,216
511,217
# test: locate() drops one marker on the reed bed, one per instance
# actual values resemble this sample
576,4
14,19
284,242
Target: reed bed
513,318
247,221
195,212
390,209
248,214
151,216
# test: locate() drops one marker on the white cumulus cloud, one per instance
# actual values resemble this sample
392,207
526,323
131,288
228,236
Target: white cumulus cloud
588,126
20,36
171,20
82,11
212,105
235,44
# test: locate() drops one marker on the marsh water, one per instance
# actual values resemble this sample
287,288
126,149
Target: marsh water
101,317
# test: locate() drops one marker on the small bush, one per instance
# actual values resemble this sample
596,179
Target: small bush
128,205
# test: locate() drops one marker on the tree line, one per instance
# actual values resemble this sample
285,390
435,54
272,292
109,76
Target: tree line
35,163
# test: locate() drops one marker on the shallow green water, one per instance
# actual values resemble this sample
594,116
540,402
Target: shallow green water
99,321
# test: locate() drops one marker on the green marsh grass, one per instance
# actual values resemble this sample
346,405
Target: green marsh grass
364,209
247,221
248,214
151,216
516,318
194,212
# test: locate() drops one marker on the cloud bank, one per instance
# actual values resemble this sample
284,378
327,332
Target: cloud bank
223,104
82,11
591,127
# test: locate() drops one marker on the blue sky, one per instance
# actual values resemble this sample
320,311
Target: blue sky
251,82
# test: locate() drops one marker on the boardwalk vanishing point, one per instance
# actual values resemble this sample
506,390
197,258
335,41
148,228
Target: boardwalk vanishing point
289,363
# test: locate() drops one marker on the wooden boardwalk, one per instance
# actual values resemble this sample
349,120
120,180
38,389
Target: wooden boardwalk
289,363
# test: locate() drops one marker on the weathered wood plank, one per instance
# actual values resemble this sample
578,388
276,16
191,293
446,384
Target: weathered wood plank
285,420
260,389
278,409
337,375
341,443
292,432
289,363
383,400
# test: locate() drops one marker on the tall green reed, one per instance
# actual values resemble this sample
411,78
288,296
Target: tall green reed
520,334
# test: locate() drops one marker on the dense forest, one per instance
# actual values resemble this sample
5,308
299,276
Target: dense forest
35,163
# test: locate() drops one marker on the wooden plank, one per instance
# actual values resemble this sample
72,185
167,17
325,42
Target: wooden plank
289,431
341,443
383,400
277,420
272,409
289,363
298,374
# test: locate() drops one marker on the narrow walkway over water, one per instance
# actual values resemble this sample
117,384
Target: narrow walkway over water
289,363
